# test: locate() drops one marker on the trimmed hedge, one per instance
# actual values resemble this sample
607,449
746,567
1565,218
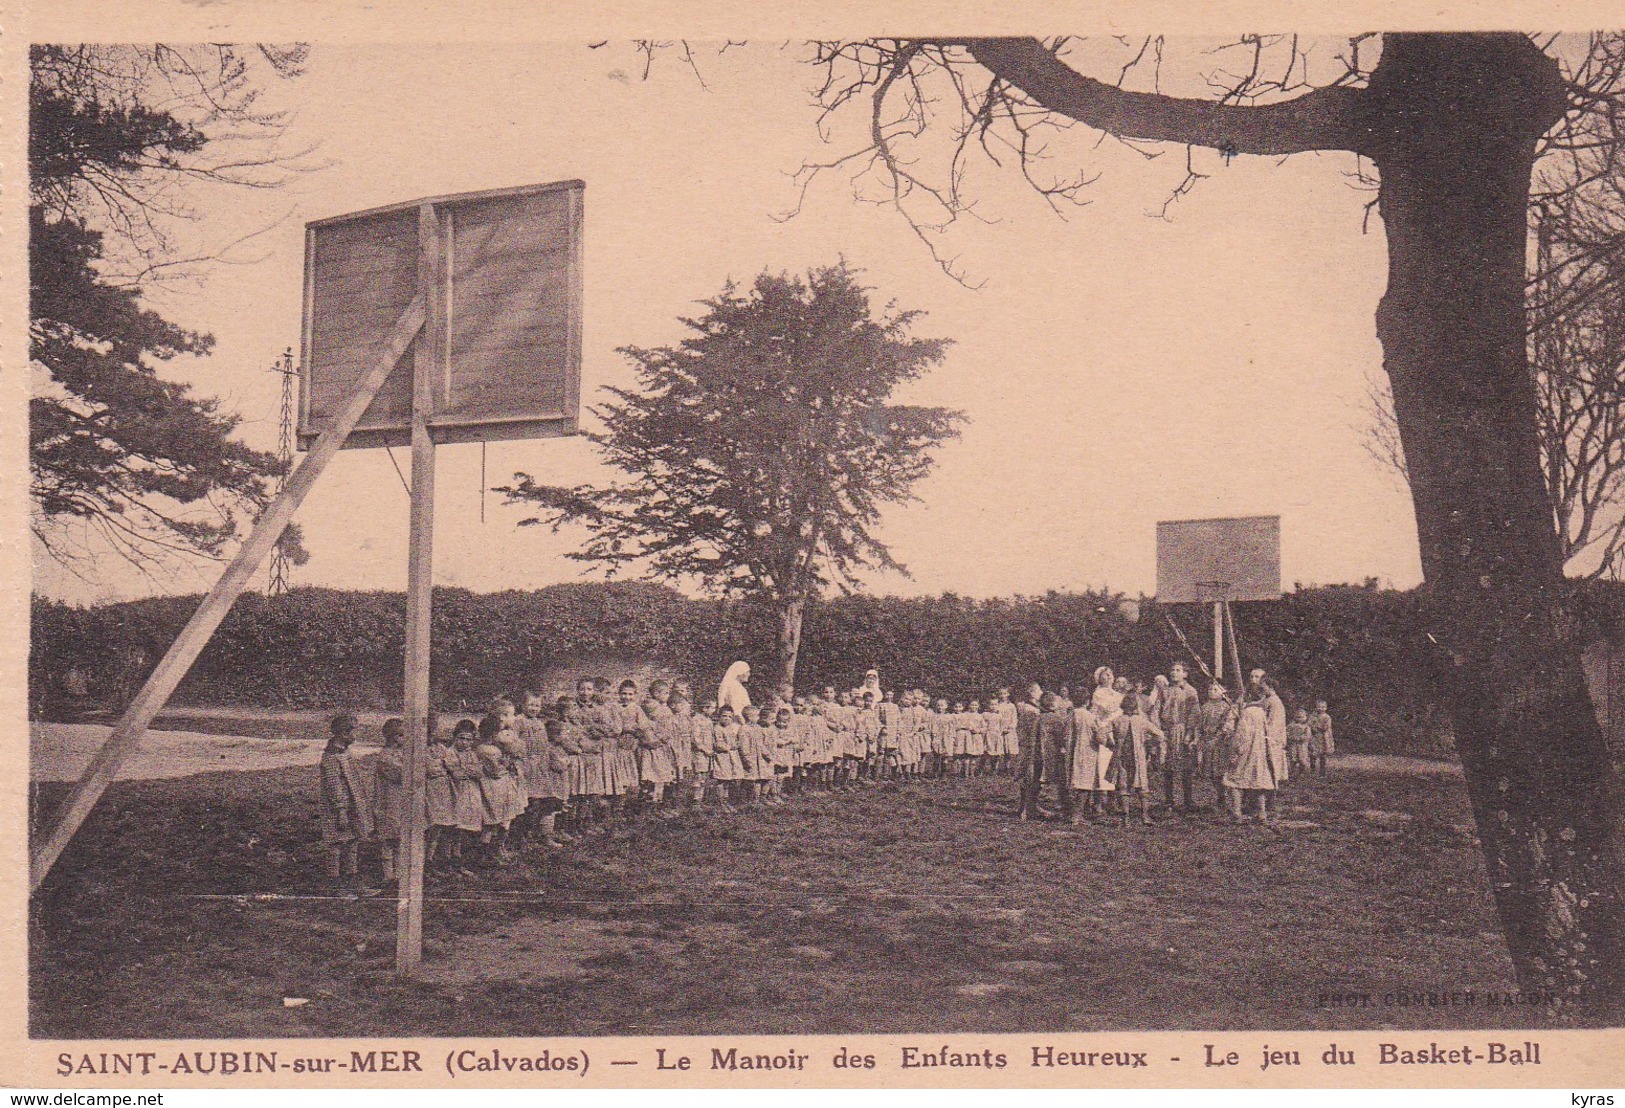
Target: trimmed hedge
1363,649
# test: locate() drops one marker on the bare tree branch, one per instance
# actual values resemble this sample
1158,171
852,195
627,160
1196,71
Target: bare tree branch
1324,119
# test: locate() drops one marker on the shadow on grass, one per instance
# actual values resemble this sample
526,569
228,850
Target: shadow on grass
924,908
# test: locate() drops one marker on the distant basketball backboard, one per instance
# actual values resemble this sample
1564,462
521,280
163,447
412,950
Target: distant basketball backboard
1203,560
505,290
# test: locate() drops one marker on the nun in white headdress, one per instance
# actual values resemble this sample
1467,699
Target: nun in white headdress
1106,696
732,692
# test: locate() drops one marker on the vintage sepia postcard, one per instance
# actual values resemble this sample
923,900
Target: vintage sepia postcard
735,546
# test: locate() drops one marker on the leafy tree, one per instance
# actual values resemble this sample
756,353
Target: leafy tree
1450,126
114,134
760,450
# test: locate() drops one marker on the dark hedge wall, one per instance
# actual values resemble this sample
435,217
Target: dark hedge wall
1365,650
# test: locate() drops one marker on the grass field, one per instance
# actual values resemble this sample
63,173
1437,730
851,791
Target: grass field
891,909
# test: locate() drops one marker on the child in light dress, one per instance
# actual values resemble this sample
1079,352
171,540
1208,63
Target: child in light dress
346,810
464,768
444,849
726,766
389,793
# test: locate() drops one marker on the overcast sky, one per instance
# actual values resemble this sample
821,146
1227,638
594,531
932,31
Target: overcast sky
1117,367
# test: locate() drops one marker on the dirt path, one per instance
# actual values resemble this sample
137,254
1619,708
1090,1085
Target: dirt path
61,751
1395,763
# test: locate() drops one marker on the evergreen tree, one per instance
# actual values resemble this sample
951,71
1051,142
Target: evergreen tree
153,468
761,449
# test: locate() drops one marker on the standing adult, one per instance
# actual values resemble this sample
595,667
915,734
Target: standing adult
1177,716
1106,694
732,694
1029,753
1249,772
1090,761
1261,691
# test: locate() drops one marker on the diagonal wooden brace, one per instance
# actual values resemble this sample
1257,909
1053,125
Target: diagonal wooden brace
197,632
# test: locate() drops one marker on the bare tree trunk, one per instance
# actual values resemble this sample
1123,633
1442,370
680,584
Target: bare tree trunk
790,615
1453,123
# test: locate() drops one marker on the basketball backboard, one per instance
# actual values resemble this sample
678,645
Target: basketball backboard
1204,560
507,264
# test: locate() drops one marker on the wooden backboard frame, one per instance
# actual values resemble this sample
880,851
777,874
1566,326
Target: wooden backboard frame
1240,559
410,312
458,428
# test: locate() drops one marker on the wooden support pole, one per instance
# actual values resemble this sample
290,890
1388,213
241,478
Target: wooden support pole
1218,640
427,357
195,635
1235,652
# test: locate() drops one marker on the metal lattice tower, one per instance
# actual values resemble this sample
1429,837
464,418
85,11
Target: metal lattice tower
284,365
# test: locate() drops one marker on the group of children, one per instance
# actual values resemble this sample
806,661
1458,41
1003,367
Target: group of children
540,772
1114,749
